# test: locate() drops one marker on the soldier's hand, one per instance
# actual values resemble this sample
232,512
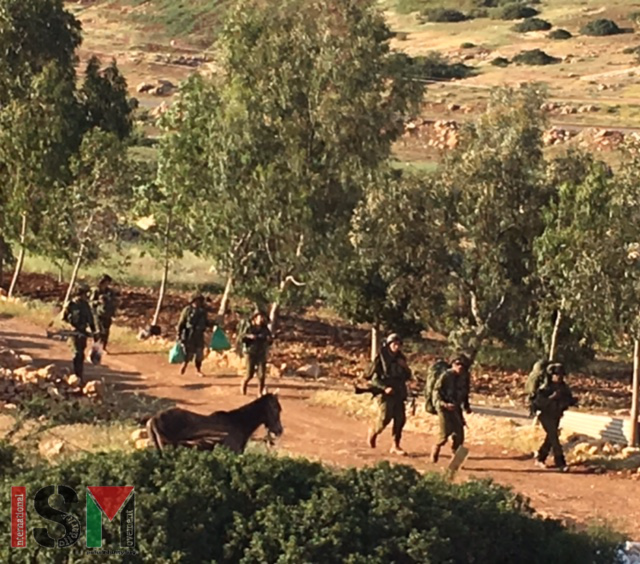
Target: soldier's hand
449,406
388,391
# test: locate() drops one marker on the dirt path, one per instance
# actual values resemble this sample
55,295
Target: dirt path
326,434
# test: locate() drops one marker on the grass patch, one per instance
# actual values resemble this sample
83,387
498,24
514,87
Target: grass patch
601,27
559,35
532,24
535,57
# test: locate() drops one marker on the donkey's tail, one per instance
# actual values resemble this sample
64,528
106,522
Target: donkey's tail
154,433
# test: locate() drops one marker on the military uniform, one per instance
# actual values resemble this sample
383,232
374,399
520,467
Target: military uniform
191,328
257,341
78,314
552,401
390,371
450,390
103,303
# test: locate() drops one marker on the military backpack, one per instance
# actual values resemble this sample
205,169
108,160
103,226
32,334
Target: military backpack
435,374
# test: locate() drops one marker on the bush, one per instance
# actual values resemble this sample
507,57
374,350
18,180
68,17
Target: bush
477,13
532,24
467,45
516,12
601,27
216,507
560,34
435,65
443,15
500,62
534,57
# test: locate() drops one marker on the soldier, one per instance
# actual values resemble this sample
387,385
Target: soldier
77,313
103,303
464,381
449,397
191,328
389,375
552,401
256,342
539,377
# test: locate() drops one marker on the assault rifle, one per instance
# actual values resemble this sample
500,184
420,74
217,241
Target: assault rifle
411,398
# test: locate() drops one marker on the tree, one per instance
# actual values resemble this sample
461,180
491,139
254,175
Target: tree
33,34
306,107
37,137
393,278
573,254
494,190
99,195
104,99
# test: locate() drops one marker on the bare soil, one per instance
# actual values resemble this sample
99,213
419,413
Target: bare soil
326,434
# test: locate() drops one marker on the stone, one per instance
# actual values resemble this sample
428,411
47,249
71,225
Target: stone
10,406
142,443
312,370
94,388
144,87
453,107
73,380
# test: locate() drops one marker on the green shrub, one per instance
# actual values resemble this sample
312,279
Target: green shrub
601,27
216,507
560,34
500,62
516,12
443,15
467,45
534,57
435,65
478,13
532,24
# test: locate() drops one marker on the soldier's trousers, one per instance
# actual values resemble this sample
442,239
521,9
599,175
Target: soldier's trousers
104,329
550,424
78,346
390,409
256,364
194,352
451,425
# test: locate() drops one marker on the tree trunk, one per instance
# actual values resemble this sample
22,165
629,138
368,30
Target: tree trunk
553,346
224,302
375,341
20,262
635,392
163,289
273,315
74,275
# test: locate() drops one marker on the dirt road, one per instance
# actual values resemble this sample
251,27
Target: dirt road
328,435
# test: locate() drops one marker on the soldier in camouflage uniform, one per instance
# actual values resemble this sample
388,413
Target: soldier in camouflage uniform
449,397
552,400
77,313
389,375
103,303
191,328
256,341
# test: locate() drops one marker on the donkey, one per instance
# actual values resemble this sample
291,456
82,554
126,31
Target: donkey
179,427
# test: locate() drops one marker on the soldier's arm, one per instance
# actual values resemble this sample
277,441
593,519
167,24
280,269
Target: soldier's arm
183,320
376,375
91,321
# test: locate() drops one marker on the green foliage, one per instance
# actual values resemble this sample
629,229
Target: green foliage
199,20
105,100
532,24
443,15
216,507
34,34
467,45
500,62
297,124
559,34
516,11
535,57
601,27
436,65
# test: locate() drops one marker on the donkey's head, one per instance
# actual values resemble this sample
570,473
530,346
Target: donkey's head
273,410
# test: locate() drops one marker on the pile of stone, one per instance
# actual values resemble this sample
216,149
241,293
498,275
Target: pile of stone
567,109
20,381
445,135
161,87
581,448
193,61
608,139
556,136
140,439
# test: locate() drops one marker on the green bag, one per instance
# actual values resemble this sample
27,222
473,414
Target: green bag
177,354
219,341
436,371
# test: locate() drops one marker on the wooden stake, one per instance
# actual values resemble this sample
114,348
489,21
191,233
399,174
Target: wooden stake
635,392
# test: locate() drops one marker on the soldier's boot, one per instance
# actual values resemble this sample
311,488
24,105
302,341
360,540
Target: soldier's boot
397,449
243,387
371,438
184,368
199,369
561,464
435,453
